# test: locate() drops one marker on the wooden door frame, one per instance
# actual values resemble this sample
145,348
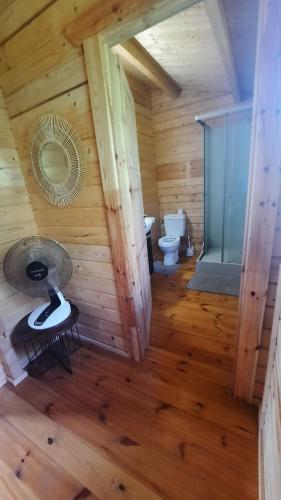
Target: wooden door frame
263,195
117,22
126,228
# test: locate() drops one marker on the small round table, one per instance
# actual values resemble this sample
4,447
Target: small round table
46,347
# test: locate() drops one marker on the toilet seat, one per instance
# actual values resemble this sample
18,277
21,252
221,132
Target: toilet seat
169,240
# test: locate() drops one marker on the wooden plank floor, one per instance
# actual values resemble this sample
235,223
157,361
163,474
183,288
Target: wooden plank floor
166,428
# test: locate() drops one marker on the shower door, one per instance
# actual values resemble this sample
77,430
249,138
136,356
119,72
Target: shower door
227,147
238,137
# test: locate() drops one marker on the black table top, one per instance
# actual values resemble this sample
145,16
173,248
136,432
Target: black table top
24,333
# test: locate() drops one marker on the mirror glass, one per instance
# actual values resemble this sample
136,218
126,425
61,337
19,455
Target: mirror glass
54,163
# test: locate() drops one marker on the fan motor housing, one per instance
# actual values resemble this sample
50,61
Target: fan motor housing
36,271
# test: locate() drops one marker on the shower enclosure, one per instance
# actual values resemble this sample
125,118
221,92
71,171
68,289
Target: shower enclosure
227,136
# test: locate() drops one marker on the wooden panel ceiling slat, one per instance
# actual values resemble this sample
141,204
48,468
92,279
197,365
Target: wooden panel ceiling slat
185,47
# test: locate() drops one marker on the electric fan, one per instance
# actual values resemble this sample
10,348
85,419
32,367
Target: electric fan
38,266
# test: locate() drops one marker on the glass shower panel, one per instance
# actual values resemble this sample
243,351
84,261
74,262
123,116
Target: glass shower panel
214,188
238,136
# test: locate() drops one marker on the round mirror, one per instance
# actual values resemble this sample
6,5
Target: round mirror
58,159
54,163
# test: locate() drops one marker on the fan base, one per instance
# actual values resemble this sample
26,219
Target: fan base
58,316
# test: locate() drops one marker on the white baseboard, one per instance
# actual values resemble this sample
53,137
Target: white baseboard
3,381
16,381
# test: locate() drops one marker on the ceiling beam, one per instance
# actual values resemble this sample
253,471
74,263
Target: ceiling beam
136,55
120,20
216,14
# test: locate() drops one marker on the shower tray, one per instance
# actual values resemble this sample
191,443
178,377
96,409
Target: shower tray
210,263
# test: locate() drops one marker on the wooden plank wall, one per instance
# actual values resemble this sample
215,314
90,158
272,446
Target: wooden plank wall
41,71
81,226
179,153
17,221
269,309
270,416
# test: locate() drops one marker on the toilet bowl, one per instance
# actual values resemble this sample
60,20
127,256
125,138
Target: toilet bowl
170,247
169,244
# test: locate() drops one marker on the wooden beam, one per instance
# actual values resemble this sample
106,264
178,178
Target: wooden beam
119,21
263,194
136,55
112,108
216,14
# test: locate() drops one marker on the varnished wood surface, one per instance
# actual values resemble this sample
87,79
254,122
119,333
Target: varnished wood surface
269,415
17,221
165,428
264,184
117,143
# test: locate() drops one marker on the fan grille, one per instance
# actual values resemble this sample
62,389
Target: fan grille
37,249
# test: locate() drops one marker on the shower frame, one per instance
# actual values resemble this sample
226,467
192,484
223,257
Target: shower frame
217,267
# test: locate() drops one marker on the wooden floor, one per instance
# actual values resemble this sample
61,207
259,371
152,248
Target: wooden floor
166,428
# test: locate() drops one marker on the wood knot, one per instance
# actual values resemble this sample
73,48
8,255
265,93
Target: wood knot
198,407
50,440
18,472
162,406
224,441
127,441
84,493
48,408
102,412
182,447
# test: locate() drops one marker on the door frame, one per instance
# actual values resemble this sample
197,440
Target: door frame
116,23
112,106
263,196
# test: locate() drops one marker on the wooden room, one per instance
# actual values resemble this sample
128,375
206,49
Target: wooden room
140,297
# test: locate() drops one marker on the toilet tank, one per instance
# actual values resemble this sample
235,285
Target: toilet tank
174,224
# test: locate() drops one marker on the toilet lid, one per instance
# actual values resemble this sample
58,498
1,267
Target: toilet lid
169,240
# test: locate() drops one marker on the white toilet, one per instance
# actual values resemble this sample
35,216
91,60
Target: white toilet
169,244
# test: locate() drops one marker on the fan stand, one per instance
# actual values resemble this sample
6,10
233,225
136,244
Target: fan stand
51,313
52,346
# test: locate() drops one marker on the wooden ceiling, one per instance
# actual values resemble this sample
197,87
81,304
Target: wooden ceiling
185,46
188,46
242,17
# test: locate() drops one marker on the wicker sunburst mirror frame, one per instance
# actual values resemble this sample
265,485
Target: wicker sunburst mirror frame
58,159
